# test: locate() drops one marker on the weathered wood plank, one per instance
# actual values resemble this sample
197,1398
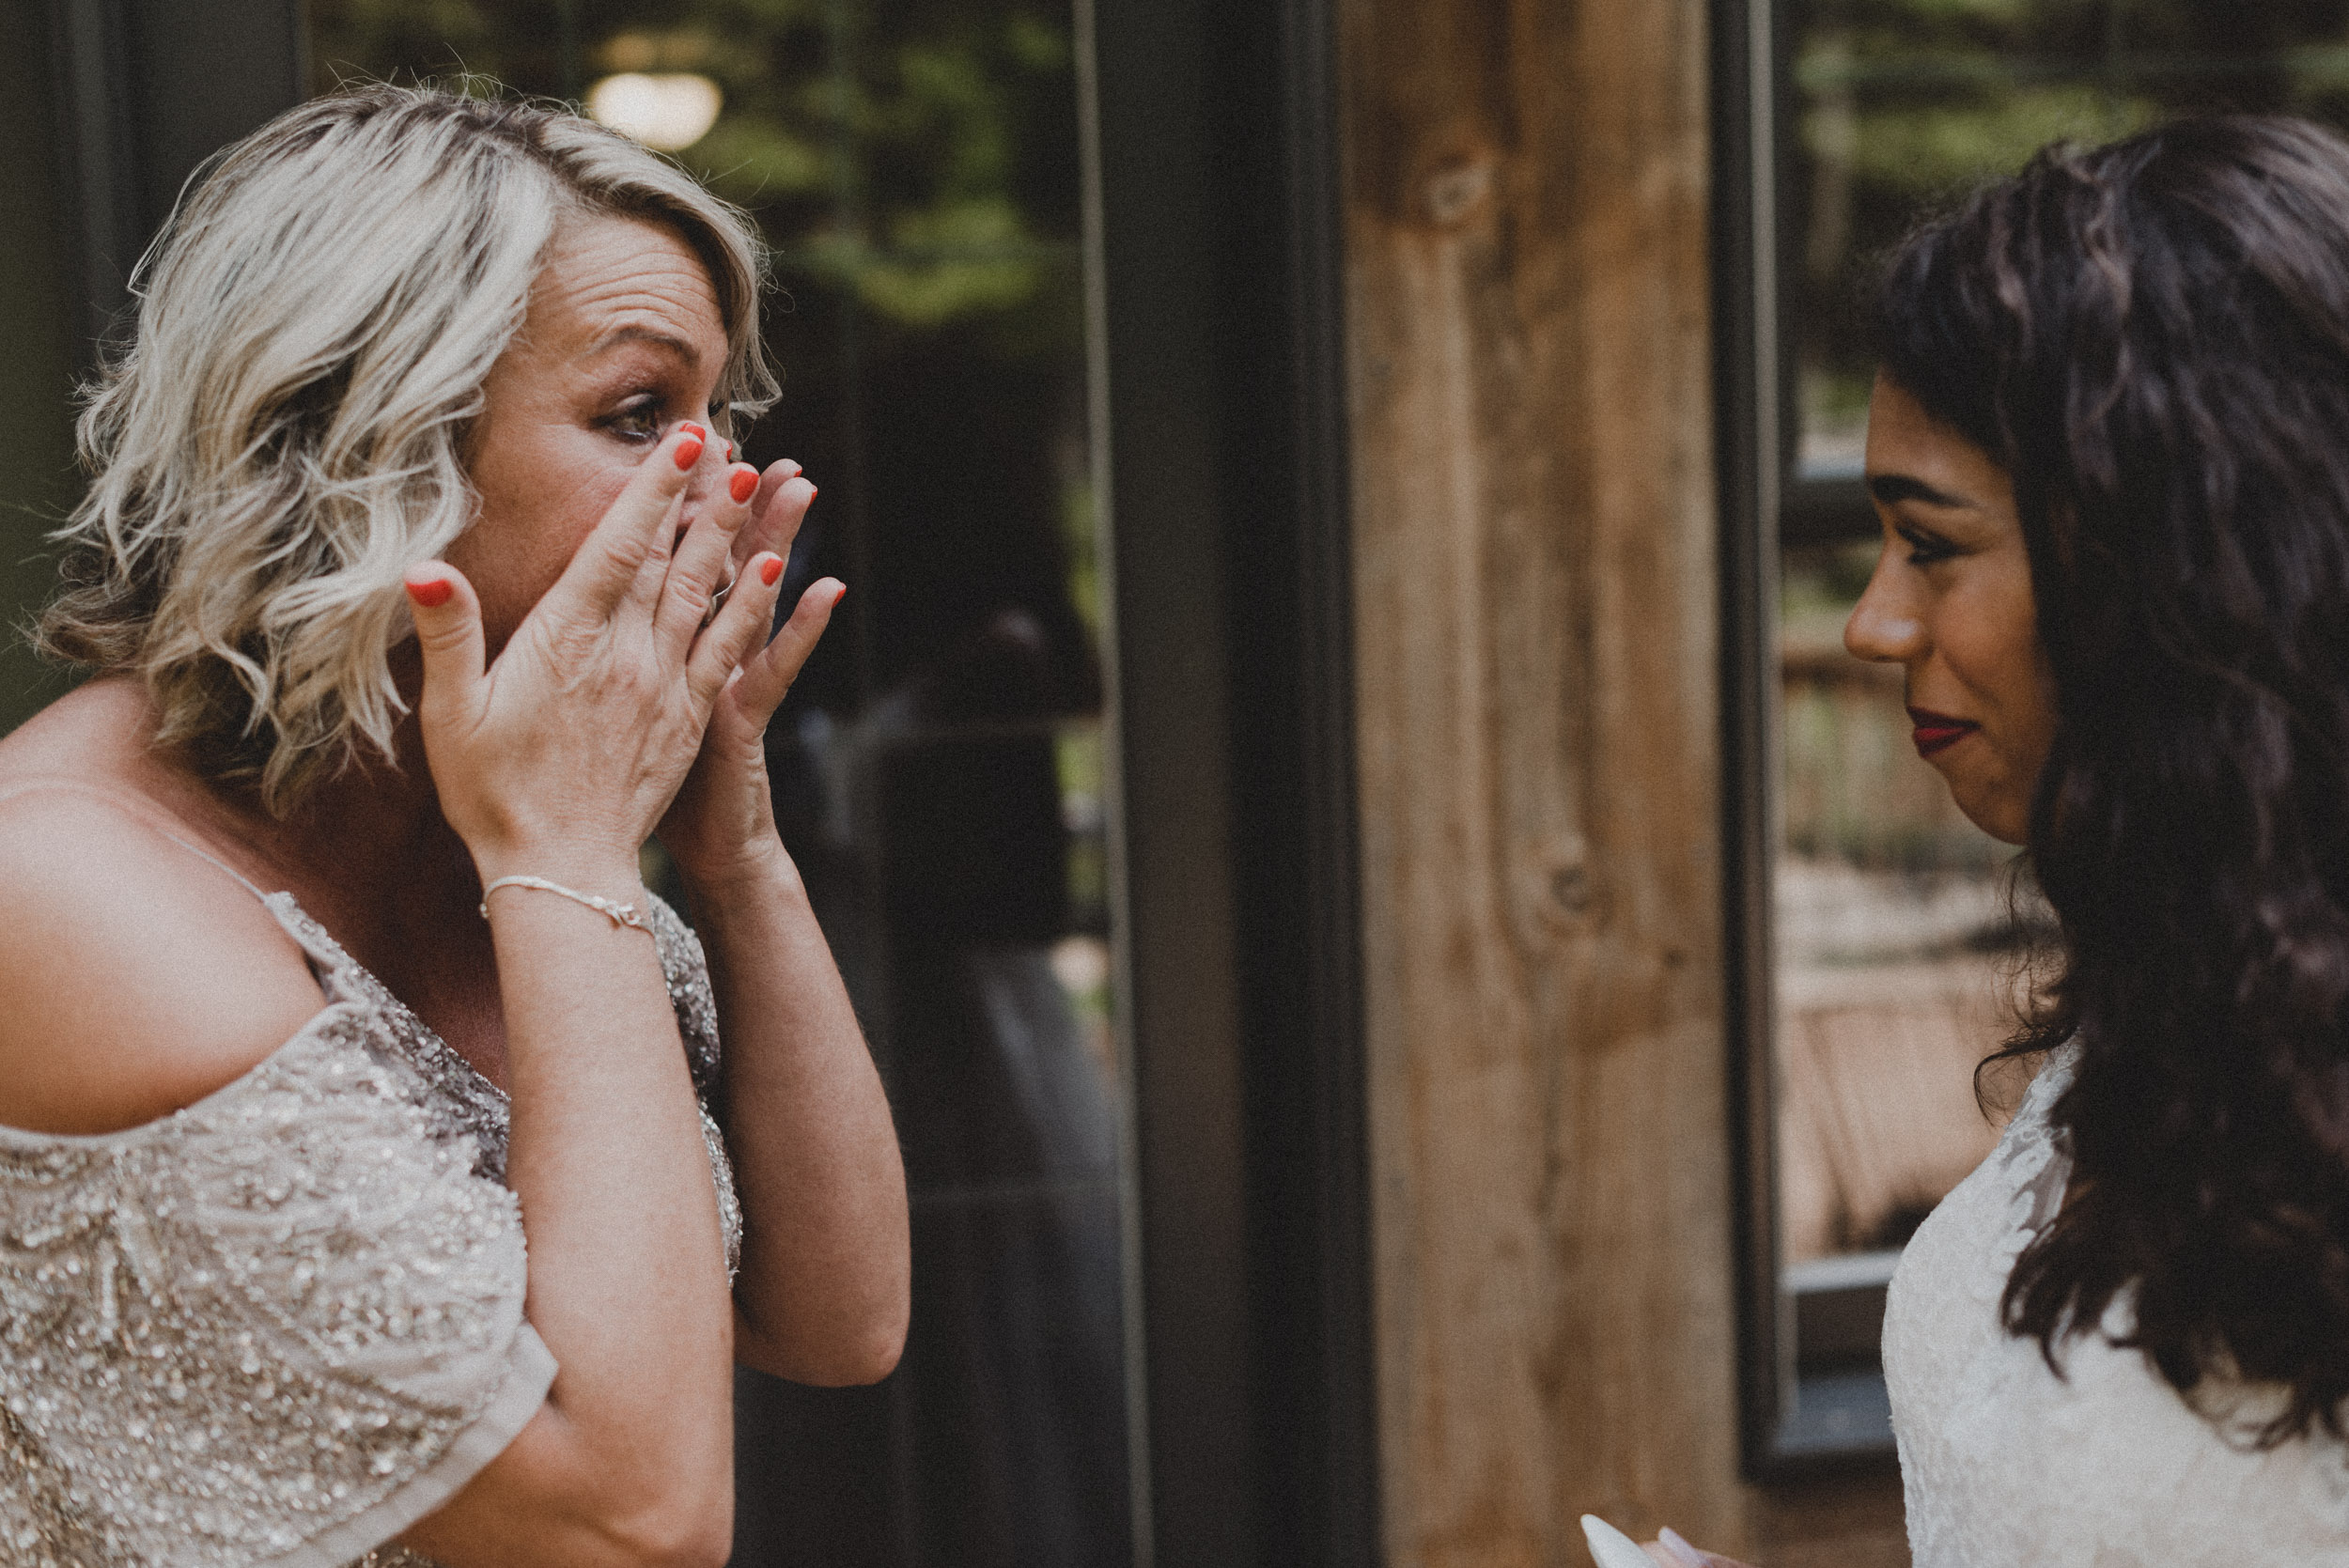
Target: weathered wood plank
1537,711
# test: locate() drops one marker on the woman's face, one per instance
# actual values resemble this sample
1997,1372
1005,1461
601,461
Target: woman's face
1951,603
621,339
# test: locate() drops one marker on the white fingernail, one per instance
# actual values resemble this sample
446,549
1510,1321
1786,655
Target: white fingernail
1670,1540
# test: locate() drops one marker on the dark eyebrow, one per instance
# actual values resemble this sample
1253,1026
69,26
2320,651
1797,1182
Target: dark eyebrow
674,345
1893,488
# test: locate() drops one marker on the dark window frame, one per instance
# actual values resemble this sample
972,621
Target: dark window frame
1222,325
1790,1424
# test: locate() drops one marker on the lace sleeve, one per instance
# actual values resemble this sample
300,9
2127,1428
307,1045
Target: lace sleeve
269,1331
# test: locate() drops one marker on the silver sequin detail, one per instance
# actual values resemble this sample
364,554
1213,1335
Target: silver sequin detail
232,1330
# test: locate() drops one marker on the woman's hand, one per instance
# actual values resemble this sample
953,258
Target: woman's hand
722,825
568,749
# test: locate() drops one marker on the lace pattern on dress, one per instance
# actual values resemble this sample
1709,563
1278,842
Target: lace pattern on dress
275,1329
2005,1462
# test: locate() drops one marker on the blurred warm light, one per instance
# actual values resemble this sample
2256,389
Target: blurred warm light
667,112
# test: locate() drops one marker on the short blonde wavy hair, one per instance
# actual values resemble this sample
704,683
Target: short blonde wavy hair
283,436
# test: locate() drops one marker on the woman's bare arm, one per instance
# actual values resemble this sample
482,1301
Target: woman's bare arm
630,1460
823,1295
825,1283
555,762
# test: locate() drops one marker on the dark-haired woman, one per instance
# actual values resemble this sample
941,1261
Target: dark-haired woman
2109,450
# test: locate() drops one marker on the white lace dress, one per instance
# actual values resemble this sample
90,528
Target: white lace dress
2005,1464
277,1328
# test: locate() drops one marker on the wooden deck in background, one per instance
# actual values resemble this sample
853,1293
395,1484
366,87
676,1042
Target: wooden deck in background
1876,1115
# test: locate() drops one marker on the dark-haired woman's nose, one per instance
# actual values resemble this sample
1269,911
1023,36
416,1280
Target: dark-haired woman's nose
1884,626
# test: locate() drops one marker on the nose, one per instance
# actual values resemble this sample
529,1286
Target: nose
1884,626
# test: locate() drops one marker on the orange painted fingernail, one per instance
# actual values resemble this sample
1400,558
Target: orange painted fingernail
432,594
771,570
743,484
698,431
688,451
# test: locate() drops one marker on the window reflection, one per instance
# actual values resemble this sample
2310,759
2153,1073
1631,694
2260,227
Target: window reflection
1894,915
939,769
1900,104
1900,938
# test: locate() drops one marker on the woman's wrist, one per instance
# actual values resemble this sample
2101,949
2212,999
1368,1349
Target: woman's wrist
605,871
760,870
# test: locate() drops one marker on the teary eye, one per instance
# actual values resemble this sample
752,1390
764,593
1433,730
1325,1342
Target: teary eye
637,420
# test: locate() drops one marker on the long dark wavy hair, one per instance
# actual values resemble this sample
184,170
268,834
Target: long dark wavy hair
2153,338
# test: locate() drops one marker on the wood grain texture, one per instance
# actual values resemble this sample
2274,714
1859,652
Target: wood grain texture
1535,585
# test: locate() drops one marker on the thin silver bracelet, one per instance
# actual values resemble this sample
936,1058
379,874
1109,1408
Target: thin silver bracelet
617,913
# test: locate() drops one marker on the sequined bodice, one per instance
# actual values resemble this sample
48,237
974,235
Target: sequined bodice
275,1329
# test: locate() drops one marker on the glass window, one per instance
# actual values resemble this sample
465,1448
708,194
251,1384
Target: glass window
1899,104
1898,930
937,772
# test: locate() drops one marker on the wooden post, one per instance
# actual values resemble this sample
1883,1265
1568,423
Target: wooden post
1538,721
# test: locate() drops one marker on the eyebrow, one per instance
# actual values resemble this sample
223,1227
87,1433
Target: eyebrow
678,345
1893,488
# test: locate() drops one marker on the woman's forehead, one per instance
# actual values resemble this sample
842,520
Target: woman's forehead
1911,455
608,280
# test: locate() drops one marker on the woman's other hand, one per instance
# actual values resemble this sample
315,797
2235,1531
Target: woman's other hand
721,824
824,1290
566,749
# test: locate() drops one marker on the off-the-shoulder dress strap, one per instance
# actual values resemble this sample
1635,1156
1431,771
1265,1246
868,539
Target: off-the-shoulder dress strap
250,886
134,807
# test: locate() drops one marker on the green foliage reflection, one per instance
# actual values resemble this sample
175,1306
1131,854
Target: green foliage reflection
912,155
1902,104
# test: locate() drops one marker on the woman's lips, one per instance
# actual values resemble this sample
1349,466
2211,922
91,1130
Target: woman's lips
1937,732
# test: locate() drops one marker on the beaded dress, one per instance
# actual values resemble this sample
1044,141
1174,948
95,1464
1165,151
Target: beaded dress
276,1328
2003,1463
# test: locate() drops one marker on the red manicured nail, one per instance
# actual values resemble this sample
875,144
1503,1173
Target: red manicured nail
731,454
699,432
431,595
688,451
743,484
769,570
838,597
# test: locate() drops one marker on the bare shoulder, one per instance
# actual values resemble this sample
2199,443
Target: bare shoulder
136,976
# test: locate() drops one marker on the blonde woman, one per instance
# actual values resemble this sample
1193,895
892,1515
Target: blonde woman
363,1192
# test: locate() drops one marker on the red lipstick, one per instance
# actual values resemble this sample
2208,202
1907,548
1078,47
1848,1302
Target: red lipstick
1937,732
